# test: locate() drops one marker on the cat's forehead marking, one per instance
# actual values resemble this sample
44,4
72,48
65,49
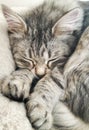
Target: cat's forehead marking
40,28
39,37
42,52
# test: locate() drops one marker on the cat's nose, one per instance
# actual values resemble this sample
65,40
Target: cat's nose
40,71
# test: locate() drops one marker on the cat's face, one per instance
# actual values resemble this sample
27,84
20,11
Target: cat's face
40,45
38,59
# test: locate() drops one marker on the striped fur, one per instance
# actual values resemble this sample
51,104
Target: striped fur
41,43
77,88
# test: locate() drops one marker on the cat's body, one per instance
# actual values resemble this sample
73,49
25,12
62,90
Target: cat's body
77,88
41,43
77,78
73,113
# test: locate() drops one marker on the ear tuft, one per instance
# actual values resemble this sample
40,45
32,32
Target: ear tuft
69,22
15,23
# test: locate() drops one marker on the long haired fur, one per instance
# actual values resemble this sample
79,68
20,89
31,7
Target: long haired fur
60,8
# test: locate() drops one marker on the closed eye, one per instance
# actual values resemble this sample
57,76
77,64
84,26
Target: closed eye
24,62
51,61
28,59
56,61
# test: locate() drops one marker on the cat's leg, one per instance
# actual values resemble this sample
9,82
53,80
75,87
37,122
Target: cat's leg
18,84
42,101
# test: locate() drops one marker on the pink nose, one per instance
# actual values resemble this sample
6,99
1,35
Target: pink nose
40,71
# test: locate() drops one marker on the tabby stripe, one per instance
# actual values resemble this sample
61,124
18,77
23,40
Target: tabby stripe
57,82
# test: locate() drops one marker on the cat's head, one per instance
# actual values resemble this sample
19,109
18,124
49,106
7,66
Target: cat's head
39,44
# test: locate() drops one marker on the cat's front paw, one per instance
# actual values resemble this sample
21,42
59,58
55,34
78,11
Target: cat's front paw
15,87
39,115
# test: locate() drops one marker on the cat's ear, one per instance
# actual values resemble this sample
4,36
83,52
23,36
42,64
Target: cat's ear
68,23
15,23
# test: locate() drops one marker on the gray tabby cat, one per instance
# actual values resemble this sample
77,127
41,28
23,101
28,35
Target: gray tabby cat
41,43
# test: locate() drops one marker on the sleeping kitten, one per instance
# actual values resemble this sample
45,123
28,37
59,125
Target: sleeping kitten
41,43
76,73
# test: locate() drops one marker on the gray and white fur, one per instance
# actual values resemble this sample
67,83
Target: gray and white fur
73,114
41,41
